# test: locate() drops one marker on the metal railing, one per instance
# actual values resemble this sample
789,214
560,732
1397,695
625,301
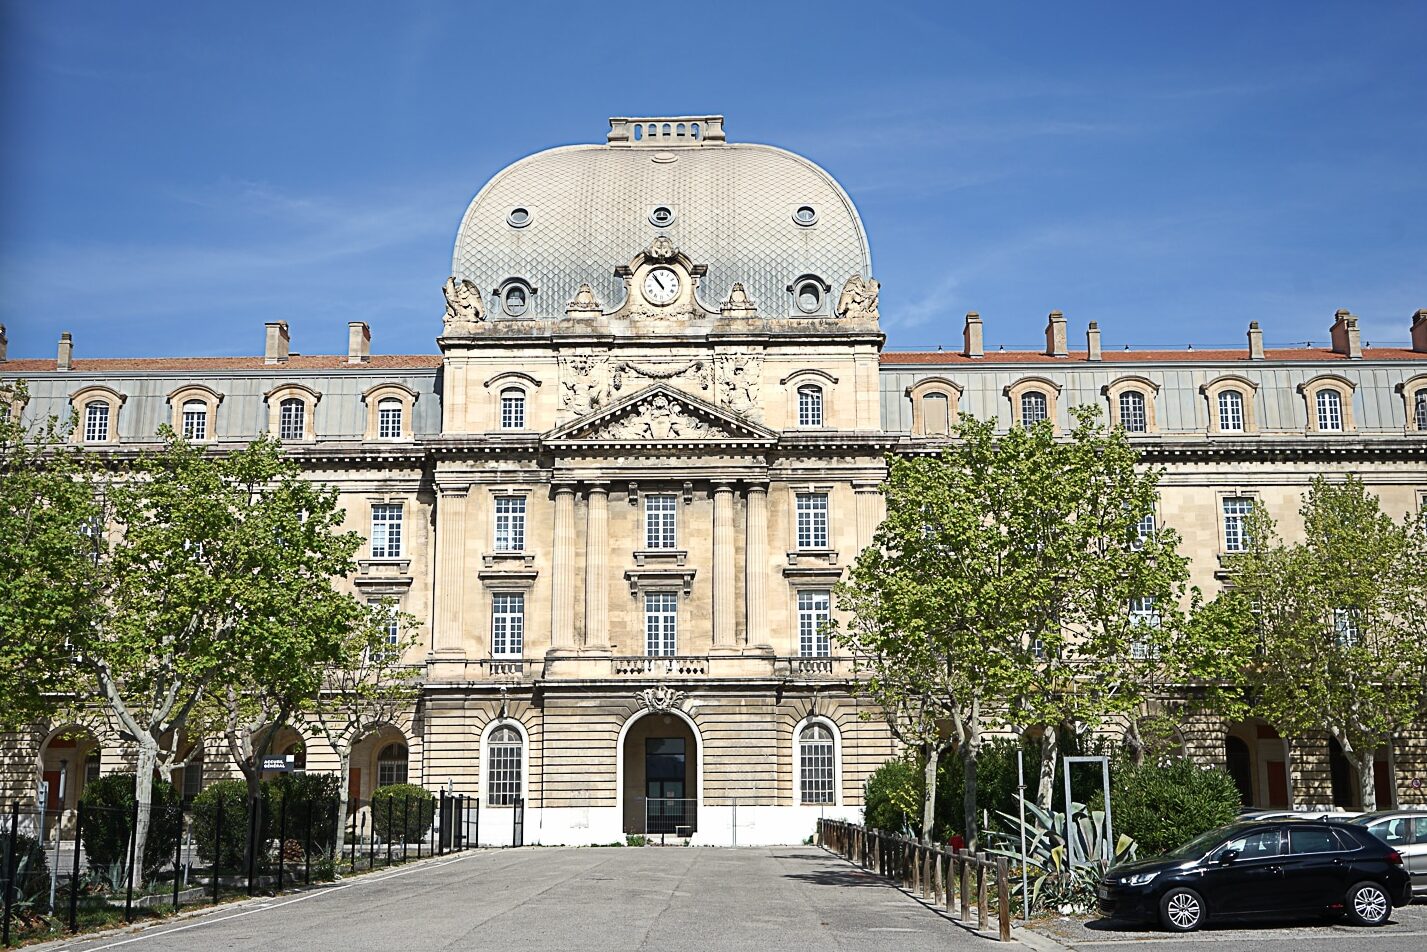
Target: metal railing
670,816
939,876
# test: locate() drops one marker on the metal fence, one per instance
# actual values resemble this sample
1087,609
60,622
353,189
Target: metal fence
58,876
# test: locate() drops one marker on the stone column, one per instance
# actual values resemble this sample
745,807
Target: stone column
755,568
869,514
597,569
562,571
723,559
450,569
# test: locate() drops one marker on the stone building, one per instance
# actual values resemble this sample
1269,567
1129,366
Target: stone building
619,496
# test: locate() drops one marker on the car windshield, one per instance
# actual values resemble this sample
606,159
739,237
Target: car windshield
1201,845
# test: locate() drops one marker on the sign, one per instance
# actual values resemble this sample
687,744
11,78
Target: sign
1416,783
277,762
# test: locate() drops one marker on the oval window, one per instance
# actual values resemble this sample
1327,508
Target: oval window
809,297
516,300
518,217
661,216
805,215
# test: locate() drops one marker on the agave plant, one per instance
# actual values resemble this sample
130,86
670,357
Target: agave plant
1056,883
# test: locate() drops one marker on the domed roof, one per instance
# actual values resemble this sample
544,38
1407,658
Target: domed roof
570,215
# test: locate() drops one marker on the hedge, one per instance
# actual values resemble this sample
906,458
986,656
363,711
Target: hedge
1163,806
109,804
310,798
233,795
407,800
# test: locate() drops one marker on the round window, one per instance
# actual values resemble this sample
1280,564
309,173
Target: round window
809,297
516,300
805,215
661,216
518,217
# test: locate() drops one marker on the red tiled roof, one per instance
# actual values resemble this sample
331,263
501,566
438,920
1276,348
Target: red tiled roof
217,364
1135,356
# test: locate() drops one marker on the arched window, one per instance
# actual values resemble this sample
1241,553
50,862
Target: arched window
810,405
515,299
292,419
389,419
936,414
195,420
96,422
1420,410
1132,412
512,409
1330,410
391,765
817,764
1231,411
503,767
1034,407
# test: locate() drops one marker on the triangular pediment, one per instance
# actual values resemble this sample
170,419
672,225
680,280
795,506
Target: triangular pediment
661,414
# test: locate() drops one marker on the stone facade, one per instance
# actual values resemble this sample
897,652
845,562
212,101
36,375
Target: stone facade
649,446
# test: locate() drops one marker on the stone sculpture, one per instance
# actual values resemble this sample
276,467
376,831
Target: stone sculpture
859,297
463,302
584,303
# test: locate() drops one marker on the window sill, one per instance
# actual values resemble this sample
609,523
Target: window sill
492,559
644,557
815,556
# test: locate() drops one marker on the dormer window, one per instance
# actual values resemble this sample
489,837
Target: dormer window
96,422
515,298
1328,399
389,419
1330,411
1132,412
808,296
810,405
292,419
1231,411
1034,407
662,216
97,408
195,421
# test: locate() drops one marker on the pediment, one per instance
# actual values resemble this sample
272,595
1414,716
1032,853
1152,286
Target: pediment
661,414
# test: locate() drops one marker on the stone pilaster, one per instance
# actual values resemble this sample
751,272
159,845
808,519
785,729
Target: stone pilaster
451,569
562,571
869,513
755,568
724,602
597,569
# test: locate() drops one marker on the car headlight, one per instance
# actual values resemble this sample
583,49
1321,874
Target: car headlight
1138,879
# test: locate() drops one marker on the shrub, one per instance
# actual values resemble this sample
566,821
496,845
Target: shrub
108,805
32,869
233,795
406,801
893,797
309,798
1165,806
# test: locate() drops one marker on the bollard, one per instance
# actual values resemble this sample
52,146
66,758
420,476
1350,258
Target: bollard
983,912
74,872
1003,898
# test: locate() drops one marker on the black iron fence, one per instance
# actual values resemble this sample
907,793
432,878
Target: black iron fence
56,877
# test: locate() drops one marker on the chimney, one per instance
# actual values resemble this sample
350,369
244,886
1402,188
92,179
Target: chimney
1255,341
4,343
1347,339
1055,342
276,350
359,342
975,345
1092,341
65,359
1419,331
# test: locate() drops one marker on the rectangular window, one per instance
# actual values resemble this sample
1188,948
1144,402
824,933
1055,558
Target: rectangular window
192,779
1347,627
660,513
1330,410
389,420
814,613
510,523
661,623
1145,529
1231,411
391,629
386,531
1236,519
812,521
292,416
1142,615
96,423
508,624
512,410
195,423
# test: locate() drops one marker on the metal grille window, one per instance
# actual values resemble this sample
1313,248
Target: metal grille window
1133,416
195,420
1330,410
389,419
391,765
508,624
96,422
1420,410
386,531
512,409
1236,517
510,523
1231,411
814,613
503,758
810,406
816,764
1034,407
292,419
812,521
661,623
660,514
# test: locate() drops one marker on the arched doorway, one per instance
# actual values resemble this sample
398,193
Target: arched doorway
661,774
69,759
1257,759
1344,778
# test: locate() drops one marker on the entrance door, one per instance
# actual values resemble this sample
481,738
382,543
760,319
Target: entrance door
665,796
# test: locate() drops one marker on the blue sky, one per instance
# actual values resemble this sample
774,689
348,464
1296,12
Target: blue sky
175,174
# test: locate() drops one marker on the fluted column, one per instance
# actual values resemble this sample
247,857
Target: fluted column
724,603
562,571
869,513
755,567
450,569
597,568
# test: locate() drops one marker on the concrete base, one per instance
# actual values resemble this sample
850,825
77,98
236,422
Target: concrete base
717,826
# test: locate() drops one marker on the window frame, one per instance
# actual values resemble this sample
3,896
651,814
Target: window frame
1248,395
661,521
309,398
799,787
814,640
381,515
1145,389
662,640
521,763
1311,389
512,632
818,535
383,393
512,523
810,406
92,396
1414,403
918,393
96,421
182,398
1242,521
404,765
511,408
1048,389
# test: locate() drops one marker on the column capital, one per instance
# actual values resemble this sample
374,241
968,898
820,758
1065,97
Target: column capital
565,488
453,489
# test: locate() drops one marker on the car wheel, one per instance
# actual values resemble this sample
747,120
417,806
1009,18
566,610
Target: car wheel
1368,904
1181,910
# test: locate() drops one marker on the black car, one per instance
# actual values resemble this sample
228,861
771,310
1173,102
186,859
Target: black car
1262,868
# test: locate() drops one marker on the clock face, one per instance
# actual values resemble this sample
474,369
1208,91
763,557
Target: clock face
661,286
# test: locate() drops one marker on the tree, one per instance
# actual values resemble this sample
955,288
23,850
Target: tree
1333,640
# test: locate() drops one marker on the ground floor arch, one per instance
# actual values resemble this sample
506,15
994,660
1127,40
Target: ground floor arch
69,759
660,774
1257,758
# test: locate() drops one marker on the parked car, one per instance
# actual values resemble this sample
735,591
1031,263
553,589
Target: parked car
1406,832
1262,868
1260,814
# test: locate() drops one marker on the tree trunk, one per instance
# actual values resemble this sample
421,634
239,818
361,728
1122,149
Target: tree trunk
932,753
344,772
144,797
1290,771
1367,785
969,754
1050,751
1135,741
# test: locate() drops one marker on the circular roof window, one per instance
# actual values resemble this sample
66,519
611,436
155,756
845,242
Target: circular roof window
808,296
805,215
662,216
519,217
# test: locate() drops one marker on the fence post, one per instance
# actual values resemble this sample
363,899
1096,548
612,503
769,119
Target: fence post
405,817
133,837
217,847
178,858
255,808
12,866
1003,898
965,885
983,911
390,806
307,848
74,872
282,840
352,853
949,892
371,825
440,826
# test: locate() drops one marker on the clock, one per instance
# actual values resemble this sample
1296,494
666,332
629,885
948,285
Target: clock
661,286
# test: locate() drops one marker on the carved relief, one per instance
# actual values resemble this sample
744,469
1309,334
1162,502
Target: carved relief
859,297
584,303
661,699
738,382
737,304
583,383
658,419
698,372
463,302
660,249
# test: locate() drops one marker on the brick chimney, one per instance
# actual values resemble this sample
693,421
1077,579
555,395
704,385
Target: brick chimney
65,359
1092,341
1255,341
975,344
275,351
1346,337
359,342
1056,344
4,344
1419,331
